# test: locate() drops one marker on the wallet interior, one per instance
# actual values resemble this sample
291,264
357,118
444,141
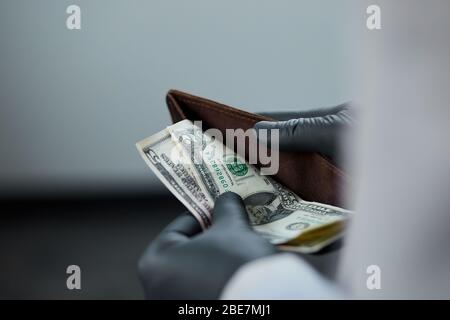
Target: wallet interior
309,175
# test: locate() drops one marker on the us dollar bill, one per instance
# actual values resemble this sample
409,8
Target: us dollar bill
198,167
160,153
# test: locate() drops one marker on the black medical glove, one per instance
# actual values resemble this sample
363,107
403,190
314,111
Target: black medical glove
320,130
185,263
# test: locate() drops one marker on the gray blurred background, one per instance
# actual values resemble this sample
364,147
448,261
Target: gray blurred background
73,103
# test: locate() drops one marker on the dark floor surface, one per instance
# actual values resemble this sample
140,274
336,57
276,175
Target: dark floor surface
105,236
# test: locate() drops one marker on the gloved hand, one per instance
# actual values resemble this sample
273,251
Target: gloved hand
185,263
319,130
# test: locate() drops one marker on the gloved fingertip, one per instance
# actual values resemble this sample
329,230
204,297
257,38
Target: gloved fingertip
262,129
265,125
228,196
229,207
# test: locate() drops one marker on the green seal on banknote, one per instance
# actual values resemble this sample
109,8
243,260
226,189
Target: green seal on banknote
235,166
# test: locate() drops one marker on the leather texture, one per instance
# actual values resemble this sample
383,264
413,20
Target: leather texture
310,175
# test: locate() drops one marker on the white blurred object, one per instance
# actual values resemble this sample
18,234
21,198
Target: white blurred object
279,277
402,219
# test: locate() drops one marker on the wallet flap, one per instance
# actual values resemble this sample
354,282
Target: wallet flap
310,175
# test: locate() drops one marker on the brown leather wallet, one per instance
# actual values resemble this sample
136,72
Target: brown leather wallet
309,175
